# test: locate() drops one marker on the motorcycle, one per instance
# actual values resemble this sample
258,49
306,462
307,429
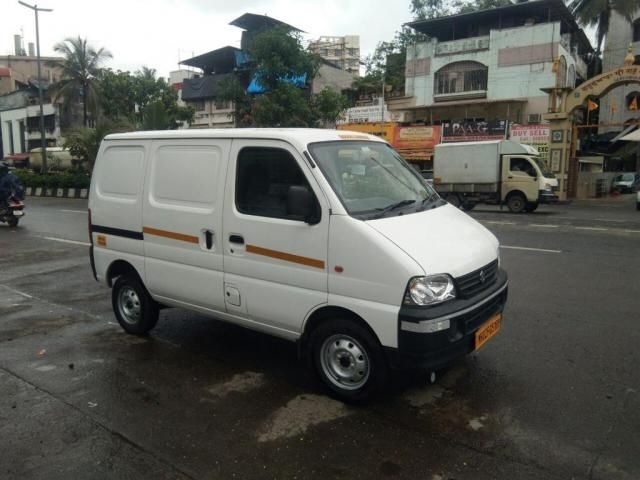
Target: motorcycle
12,210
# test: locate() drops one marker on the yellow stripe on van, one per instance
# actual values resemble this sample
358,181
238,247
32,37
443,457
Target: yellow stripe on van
172,235
287,257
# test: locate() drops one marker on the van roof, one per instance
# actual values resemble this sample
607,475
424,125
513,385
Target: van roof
302,136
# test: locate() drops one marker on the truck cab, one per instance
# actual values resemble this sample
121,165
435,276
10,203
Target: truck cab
525,182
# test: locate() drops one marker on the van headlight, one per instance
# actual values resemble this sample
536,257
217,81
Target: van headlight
430,290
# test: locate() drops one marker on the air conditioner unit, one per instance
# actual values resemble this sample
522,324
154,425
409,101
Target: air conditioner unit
534,118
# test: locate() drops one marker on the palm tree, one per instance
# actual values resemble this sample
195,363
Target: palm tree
597,13
80,68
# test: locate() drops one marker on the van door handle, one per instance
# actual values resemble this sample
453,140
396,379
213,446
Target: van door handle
236,239
208,239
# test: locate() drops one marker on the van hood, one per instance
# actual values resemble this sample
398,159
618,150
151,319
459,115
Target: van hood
441,240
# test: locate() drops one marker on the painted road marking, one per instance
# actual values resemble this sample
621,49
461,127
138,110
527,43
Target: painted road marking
545,250
26,295
632,231
543,225
499,223
595,229
64,240
74,211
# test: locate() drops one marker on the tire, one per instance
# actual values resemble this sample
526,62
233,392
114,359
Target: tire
13,222
136,311
348,359
638,206
516,202
468,206
454,200
531,207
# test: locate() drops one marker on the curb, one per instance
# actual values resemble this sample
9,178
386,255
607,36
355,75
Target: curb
57,192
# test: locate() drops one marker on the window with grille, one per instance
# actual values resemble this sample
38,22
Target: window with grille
461,77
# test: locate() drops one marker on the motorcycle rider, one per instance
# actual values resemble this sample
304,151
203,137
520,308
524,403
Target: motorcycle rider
9,184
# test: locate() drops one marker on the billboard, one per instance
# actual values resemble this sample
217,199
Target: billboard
535,135
416,142
473,131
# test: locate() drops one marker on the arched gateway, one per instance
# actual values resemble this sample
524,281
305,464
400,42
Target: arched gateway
562,103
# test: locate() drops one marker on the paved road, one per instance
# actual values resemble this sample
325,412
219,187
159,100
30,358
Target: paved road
553,396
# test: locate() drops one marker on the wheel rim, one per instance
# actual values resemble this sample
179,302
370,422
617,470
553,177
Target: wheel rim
345,362
517,204
129,305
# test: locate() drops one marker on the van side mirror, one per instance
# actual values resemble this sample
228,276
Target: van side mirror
301,205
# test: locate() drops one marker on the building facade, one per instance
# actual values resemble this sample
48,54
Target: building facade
342,52
485,70
621,106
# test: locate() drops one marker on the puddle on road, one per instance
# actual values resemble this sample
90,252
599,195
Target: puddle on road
301,413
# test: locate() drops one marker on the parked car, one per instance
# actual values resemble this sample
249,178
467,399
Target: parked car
625,182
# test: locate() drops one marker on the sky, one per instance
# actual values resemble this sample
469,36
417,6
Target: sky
160,33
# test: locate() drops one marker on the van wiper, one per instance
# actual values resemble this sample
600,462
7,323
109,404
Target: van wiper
431,198
393,206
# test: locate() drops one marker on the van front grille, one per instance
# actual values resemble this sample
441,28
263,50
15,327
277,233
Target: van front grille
475,282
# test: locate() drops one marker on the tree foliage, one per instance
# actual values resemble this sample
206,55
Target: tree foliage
138,99
597,13
80,68
84,143
279,58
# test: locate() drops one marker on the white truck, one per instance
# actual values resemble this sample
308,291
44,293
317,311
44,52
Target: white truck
499,172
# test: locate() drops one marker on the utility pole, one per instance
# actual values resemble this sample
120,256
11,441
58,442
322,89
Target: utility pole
43,137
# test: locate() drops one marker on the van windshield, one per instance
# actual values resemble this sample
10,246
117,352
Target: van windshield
372,180
544,168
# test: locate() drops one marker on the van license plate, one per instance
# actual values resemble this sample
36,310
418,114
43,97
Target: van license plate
488,330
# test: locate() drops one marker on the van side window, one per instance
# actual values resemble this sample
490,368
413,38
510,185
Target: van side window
263,178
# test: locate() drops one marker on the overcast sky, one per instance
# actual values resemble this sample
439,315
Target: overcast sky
159,33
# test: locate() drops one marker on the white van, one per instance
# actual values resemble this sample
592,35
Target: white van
328,238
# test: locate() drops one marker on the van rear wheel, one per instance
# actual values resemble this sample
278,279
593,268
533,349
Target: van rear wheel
136,311
348,359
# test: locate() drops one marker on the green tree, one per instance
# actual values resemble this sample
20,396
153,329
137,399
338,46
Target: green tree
280,57
283,106
84,143
328,105
80,68
117,99
128,97
597,13
230,89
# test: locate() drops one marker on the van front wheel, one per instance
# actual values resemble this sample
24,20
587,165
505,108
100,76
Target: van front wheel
348,359
136,311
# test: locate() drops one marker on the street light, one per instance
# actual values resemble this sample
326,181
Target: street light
42,135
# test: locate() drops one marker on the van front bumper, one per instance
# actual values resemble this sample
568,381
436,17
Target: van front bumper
547,196
420,346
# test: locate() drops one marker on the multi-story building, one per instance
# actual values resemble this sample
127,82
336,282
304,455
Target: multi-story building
201,90
19,102
622,105
477,72
343,52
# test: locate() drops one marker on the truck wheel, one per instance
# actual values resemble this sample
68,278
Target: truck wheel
531,207
348,359
13,222
454,200
637,205
516,203
136,311
468,206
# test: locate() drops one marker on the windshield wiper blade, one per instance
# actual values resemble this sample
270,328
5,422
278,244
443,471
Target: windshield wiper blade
431,198
393,206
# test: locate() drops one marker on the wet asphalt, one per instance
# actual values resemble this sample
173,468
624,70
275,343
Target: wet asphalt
555,395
